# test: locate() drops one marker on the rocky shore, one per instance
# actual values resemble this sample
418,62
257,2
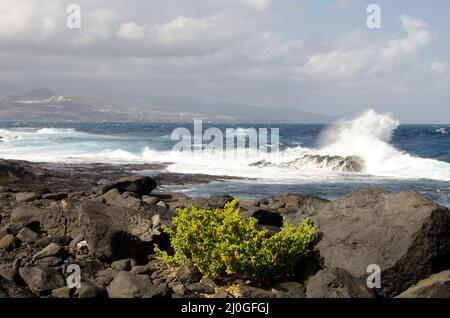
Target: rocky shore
107,220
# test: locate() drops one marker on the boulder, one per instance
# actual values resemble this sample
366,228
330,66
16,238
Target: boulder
114,233
405,234
114,197
137,184
40,280
129,285
336,283
435,286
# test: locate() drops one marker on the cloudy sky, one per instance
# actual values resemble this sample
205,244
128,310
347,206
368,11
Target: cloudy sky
317,56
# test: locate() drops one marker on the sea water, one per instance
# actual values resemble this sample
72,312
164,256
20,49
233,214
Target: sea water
396,156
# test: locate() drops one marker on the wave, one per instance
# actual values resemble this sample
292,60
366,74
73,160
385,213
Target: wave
350,148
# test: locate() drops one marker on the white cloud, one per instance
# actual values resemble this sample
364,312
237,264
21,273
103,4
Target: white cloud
131,31
418,36
27,20
363,58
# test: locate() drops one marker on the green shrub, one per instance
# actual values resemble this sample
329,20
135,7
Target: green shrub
222,245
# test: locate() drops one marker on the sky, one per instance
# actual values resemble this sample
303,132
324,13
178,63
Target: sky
316,56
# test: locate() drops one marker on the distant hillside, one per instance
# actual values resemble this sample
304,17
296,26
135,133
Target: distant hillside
44,104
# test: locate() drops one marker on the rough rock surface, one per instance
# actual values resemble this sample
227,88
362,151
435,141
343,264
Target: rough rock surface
435,286
404,233
115,233
336,283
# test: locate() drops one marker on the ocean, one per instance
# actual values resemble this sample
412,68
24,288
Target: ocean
396,156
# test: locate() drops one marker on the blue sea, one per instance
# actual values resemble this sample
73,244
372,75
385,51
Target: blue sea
396,156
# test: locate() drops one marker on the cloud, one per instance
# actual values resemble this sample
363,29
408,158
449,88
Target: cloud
245,51
364,58
418,36
213,30
27,20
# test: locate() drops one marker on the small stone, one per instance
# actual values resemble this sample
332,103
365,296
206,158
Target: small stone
89,290
122,265
50,261
61,292
8,243
52,249
188,274
27,235
41,279
162,204
8,272
129,285
221,294
149,200
104,277
200,288
26,196
82,247
247,291
146,269
55,196
179,289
